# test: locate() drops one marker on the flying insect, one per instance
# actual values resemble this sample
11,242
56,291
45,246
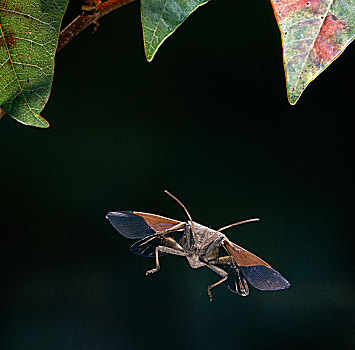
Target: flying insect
202,246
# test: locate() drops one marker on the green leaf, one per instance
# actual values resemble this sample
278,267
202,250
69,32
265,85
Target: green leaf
314,33
28,40
160,18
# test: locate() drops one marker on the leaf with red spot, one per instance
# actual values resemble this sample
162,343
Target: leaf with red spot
314,33
28,40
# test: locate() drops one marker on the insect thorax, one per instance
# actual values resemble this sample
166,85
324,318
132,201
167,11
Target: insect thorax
202,233
204,247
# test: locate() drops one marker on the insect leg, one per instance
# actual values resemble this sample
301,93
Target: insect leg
163,250
215,285
220,272
211,246
157,264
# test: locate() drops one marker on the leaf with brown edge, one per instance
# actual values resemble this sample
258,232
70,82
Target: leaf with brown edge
314,33
28,40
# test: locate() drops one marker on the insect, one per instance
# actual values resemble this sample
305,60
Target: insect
201,246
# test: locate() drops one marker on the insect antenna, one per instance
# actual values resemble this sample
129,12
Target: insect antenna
187,213
236,224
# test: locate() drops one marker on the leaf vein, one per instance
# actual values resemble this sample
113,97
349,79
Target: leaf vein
313,42
26,15
156,27
16,77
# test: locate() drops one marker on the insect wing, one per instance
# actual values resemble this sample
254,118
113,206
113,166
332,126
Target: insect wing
156,222
134,225
235,281
238,282
256,271
146,246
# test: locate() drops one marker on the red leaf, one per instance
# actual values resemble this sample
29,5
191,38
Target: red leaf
314,33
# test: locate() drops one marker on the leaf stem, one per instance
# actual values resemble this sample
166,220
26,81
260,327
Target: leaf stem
86,18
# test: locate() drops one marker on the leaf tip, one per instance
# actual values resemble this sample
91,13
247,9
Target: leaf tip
292,102
149,55
293,98
42,123
37,121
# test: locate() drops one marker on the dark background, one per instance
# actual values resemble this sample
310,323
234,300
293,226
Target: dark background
209,120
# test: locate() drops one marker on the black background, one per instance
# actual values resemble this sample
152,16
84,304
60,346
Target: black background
208,120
